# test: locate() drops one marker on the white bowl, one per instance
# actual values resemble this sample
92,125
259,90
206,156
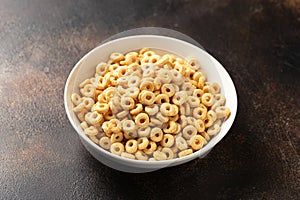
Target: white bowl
85,68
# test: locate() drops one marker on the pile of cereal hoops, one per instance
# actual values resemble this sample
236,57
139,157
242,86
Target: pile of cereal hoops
146,106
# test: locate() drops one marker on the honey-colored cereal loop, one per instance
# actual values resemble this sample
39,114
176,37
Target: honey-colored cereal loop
162,98
200,126
116,57
138,108
168,89
88,102
207,99
155,122
117,148
123,114
198,93
147,85
101,69
174,118
131,146
105,143
170,127
146,97
142,120
168,140
211,117
187,109
116,137
200,112
189,131
167,109
142,143
140,155
196,142
100,107
185,153
150,148
156,134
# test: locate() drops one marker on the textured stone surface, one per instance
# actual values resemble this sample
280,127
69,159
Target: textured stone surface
258,42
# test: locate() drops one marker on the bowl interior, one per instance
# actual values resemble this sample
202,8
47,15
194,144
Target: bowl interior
214,71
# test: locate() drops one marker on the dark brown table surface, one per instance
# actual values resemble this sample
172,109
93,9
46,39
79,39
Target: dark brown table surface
257,41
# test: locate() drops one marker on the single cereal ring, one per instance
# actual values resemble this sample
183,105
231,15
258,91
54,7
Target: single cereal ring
91,131
153,59
131,146
142,120
152,109
121,71
167,109
79,108
213,130
156,134
128,125
150,148
88,91
169,153
185,153
101,69
88,102
116,137
147,85
200,126
157,83
188,87
105,143
193,101
168,89
181,143
100,107
158,155
223,112
127,155
142,143
162,98
94,139
76,99
127,103
219,101
140,155
106,128
198,93
180,98
187,108
146,97
200,112
138,108
149,72
211,117
196,142
93,118
168,140
177,78
189,131
170,127
116,57
155,122
123,81
117,148
207,99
